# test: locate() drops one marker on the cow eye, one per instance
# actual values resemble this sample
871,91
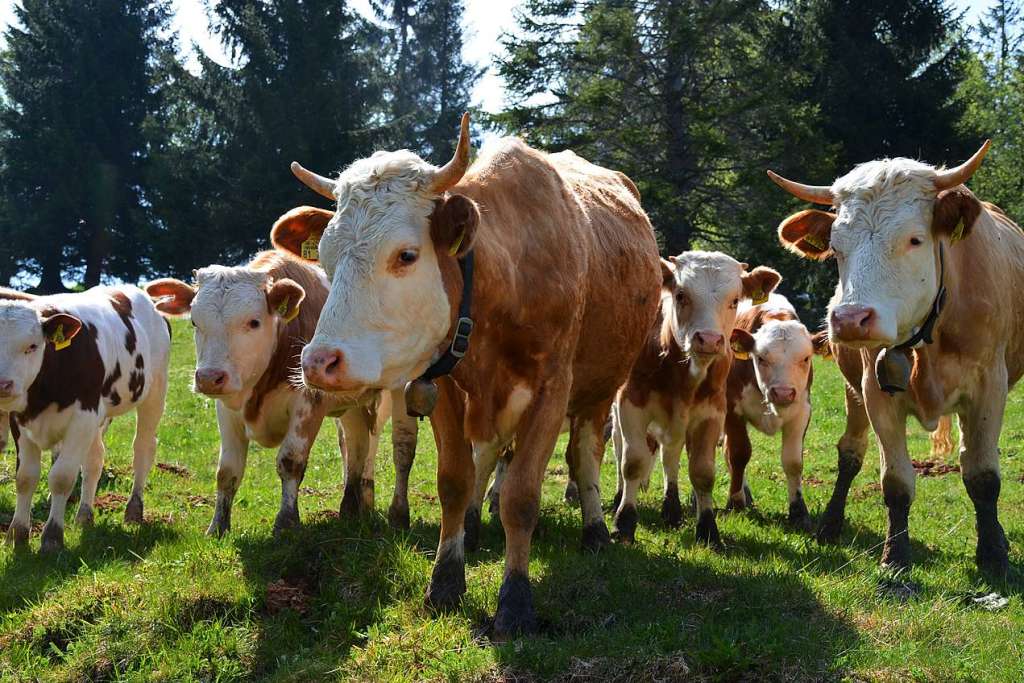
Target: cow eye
735,303
407,256
254,324
31,348
681,298
915,241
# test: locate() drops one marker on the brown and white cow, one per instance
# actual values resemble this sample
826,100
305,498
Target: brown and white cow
565,286
769,389
250,325
676,392
929,300
68,364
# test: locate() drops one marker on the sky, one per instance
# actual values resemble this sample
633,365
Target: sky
485,21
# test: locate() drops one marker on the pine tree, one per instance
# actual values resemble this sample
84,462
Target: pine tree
77,75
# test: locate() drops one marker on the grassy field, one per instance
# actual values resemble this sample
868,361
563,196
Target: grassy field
342,600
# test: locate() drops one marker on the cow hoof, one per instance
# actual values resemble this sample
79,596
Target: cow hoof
218,527
737,504
829,530
53,539
133,511
693,503
286,519
671,508
572,494
596,536
398,516
350,503
992,555
515,615
84,517
707,530
748,496
17,535
471,527
447,584
625,525
896,554
799,517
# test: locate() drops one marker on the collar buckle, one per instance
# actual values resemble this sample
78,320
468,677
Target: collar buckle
460,340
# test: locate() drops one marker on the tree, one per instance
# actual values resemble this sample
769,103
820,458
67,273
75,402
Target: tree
73,148
430,85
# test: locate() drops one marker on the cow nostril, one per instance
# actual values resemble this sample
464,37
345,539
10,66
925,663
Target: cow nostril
333,364
220,378
865,318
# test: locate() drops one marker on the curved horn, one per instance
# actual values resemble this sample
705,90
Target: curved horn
452,172
815,194
317,183
962,173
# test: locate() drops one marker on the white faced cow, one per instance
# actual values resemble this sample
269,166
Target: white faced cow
560,265
68,364
929,297
250,324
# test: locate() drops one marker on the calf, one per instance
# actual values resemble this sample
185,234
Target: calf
68,364
676,391
769,388
250,324
928,304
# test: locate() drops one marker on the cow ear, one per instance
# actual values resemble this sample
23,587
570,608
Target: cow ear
284,299
668,274
171,296
759,283
808,233
742,343
956,210
60,328
299,231
822,345
453,224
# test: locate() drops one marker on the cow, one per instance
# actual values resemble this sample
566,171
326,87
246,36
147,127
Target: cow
548,260
69,363
676,391
250,324
928,302
769,389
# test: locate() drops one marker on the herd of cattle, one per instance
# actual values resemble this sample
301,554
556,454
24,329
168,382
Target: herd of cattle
522,296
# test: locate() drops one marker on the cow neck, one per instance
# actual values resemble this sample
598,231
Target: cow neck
454,351
927,328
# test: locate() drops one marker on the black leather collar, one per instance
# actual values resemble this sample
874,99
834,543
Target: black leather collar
463,326
924,333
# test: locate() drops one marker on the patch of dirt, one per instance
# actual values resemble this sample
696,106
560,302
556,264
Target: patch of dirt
282,595
176,470
934,468
813,481
425,496
310,491
110,501
198,500
323,516
157,518
5,524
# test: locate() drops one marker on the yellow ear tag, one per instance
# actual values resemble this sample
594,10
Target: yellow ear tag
292,317
958,233
58,339
759,297
456,244
310,249
739,353
282,310
815,241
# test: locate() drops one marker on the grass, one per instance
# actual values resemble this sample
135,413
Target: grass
342,600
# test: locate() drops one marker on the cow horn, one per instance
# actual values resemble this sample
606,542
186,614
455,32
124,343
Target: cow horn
952,177
317,183
815,194
451,173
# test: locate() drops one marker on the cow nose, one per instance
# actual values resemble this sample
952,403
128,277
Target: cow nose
852,322
782,396
707,341
324,368
6,388
211,381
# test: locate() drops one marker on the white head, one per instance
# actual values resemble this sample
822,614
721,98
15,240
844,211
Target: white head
390,254
781,352
701,291
25,331
236,313
891,217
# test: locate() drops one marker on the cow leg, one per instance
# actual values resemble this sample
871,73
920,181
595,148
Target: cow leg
701,441
851,448
485,457
632,426
520,504
148,417
980,425
5,420
584,455
671,507
78,439
356,444
26,479
618,447
898,482
455,478
494,494
793,465
292,459
942,438
234,450
737,456
403,448
92,468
